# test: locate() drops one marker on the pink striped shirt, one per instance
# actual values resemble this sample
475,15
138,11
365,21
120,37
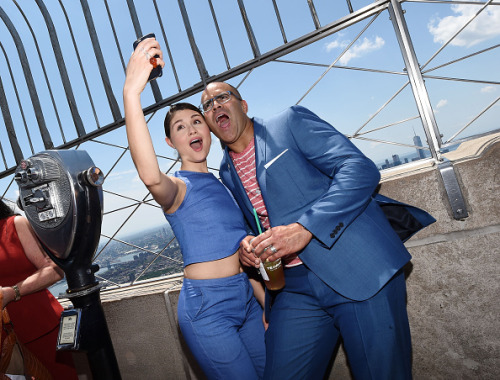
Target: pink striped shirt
244,164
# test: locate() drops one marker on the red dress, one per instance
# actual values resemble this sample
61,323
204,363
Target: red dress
35,316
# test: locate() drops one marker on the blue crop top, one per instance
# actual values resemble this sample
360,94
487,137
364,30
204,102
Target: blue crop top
208,224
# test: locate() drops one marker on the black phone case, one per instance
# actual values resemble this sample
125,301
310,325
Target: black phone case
155,73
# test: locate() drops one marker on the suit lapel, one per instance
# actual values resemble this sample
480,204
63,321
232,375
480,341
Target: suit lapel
238,190
260,155
238,186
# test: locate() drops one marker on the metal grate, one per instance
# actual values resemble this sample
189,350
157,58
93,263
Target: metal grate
63,63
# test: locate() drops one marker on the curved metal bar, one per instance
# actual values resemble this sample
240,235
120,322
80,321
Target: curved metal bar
47,82
280,23
68,24
221,42
7,189
314,14
294,45
298,43
1,147
23,116
167,46
9,126
246,68
62,69
112,24
194,48
349,6
248,28
138,32
113,104
30,83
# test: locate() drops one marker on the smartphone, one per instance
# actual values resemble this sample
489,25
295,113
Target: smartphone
157,72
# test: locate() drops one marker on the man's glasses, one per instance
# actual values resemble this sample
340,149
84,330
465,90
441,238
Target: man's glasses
222,98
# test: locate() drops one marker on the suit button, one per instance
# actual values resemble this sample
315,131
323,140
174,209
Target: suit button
337,229
332,235
341,224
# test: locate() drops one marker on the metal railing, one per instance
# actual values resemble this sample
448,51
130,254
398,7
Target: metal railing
63,63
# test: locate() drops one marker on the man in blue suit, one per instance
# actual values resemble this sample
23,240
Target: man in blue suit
314,194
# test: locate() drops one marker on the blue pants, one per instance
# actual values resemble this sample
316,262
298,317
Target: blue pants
307,318
221,322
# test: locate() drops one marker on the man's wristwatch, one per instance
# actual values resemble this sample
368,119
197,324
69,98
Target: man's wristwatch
18,293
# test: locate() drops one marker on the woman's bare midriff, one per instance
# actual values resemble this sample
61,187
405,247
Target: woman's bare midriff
226,267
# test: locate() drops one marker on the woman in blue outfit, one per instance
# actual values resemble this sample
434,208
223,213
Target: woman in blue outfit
218,314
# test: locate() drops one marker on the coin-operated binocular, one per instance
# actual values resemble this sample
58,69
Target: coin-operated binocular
61,195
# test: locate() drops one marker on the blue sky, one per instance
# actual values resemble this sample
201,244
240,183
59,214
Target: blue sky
346,98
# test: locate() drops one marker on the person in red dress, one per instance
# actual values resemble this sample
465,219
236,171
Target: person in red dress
25,273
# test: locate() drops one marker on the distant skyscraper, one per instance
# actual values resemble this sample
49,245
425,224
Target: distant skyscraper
396,160
418,142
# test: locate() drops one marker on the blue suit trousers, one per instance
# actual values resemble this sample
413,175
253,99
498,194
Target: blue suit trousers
307,319
221,321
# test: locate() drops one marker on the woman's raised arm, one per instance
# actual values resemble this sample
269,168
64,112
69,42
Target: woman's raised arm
167,191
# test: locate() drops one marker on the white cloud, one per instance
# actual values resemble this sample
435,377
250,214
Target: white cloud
488,89
137,179
122,173
441,103
483,28
128,175
358,50
336,44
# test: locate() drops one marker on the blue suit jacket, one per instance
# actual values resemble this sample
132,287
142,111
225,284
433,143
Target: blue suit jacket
310,173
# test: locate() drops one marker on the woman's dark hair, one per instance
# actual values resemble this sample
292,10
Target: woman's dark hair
173,109
5,211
